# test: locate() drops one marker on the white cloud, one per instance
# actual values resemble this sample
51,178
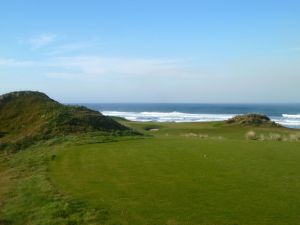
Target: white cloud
42,40
72,47
98,65
15,63
294,49
93,66
63,75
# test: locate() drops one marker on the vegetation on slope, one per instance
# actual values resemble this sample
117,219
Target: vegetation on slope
29,116
183,174
27,197
178,173
252,120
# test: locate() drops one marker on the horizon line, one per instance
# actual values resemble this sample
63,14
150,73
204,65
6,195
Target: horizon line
207,103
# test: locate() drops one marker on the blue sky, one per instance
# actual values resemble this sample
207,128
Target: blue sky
152,51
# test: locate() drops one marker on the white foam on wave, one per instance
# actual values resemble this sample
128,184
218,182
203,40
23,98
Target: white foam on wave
294,116
288,122
285,120
168,116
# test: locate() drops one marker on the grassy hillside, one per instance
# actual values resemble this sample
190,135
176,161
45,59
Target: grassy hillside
211,173
27,116
187,173
252,120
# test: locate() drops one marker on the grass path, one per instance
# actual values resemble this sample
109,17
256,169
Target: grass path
179,174
168,180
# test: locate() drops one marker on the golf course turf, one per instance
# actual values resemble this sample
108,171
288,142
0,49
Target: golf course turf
186,173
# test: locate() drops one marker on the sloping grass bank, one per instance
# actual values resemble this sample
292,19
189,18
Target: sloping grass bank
28,197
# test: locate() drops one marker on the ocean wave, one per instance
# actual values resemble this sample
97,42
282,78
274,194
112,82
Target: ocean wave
294,116
168,116
287,120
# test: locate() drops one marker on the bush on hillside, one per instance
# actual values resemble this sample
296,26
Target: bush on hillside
251,135
252,120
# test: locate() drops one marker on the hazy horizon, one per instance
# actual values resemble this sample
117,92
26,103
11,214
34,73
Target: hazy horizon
204,103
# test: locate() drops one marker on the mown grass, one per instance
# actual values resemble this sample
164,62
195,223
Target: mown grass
178,174
174,178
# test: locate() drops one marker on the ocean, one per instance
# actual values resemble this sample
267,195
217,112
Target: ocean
285,114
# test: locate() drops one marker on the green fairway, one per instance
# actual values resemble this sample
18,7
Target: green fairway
185,174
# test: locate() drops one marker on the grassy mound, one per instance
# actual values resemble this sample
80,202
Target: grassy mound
27,116
252,120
